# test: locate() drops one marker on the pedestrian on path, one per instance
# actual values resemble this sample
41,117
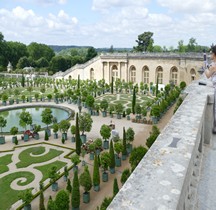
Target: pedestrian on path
210,72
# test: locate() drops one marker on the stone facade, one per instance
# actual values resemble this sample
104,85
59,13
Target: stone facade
138,68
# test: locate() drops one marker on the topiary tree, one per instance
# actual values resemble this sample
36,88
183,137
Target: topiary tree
105,132
64,125
62,200
119,108
66,173
47,118
55,130
14,131
105,162
129,138
104,105
136,156
118,147
85,122
90,102
98,144
115,187
112,158
75,160
53,175
26,197
41,203
3,123
36,96
134,100
25,119
182,85
73,132
75,200
69,187
112,85
125,174
124,151
106,202
86,183
77,136
51,205
46,137
96,174
153,136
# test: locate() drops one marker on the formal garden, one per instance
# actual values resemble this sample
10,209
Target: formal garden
41,154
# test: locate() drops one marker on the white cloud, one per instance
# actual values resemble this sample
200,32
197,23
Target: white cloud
105,5
26,26
188,6
62,1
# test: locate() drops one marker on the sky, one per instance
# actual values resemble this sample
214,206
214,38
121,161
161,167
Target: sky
106,23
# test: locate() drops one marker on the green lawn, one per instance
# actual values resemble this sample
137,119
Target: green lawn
26,159
4,161
9,196
45,168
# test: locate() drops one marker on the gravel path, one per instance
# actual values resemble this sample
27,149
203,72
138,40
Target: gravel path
141,133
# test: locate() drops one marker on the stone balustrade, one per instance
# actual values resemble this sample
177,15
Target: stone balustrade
168,175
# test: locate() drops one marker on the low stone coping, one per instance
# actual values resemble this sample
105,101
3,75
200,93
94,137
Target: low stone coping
162,178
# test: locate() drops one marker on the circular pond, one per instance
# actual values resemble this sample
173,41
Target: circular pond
12,116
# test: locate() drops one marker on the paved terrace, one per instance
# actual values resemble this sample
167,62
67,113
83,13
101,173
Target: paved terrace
178,172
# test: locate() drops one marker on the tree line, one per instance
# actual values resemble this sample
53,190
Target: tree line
145,43
40,56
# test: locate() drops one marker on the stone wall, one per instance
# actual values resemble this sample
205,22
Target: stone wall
167,177
102,66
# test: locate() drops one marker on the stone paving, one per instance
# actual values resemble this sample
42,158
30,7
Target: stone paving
207,183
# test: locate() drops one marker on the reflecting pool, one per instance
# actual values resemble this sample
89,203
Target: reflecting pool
12,116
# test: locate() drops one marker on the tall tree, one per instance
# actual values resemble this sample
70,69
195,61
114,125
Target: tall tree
156,91
145,42
181,47
124,152
91,53
16,50
3,51
96,172
191,47
112,86
77,136
115,187
134,100
51,204
112,156
23,62
75,200
62,200
69,187
41,204
36,51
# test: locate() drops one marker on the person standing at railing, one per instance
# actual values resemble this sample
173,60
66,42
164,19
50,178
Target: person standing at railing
210,72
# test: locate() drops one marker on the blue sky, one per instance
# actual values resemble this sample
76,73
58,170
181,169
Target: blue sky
102,23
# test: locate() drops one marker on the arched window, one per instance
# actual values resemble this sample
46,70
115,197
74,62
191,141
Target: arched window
193,74
91,74
174,75
159,75
133,74
146,75
114,72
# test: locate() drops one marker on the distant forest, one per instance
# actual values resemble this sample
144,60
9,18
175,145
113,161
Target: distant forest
58,48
